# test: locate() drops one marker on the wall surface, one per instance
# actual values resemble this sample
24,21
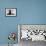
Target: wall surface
28,12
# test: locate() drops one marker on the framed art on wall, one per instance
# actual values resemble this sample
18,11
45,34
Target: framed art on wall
33,32
11,11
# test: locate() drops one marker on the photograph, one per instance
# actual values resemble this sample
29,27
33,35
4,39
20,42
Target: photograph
10,11
29,34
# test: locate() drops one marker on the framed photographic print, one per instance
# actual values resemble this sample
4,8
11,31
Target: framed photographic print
33,32
11,11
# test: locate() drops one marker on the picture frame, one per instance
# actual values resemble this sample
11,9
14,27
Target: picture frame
39,28
11,12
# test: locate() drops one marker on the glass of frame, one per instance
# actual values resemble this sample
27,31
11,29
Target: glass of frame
11,11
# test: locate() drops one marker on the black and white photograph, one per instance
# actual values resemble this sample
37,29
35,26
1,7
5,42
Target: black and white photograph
10,11
31,34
